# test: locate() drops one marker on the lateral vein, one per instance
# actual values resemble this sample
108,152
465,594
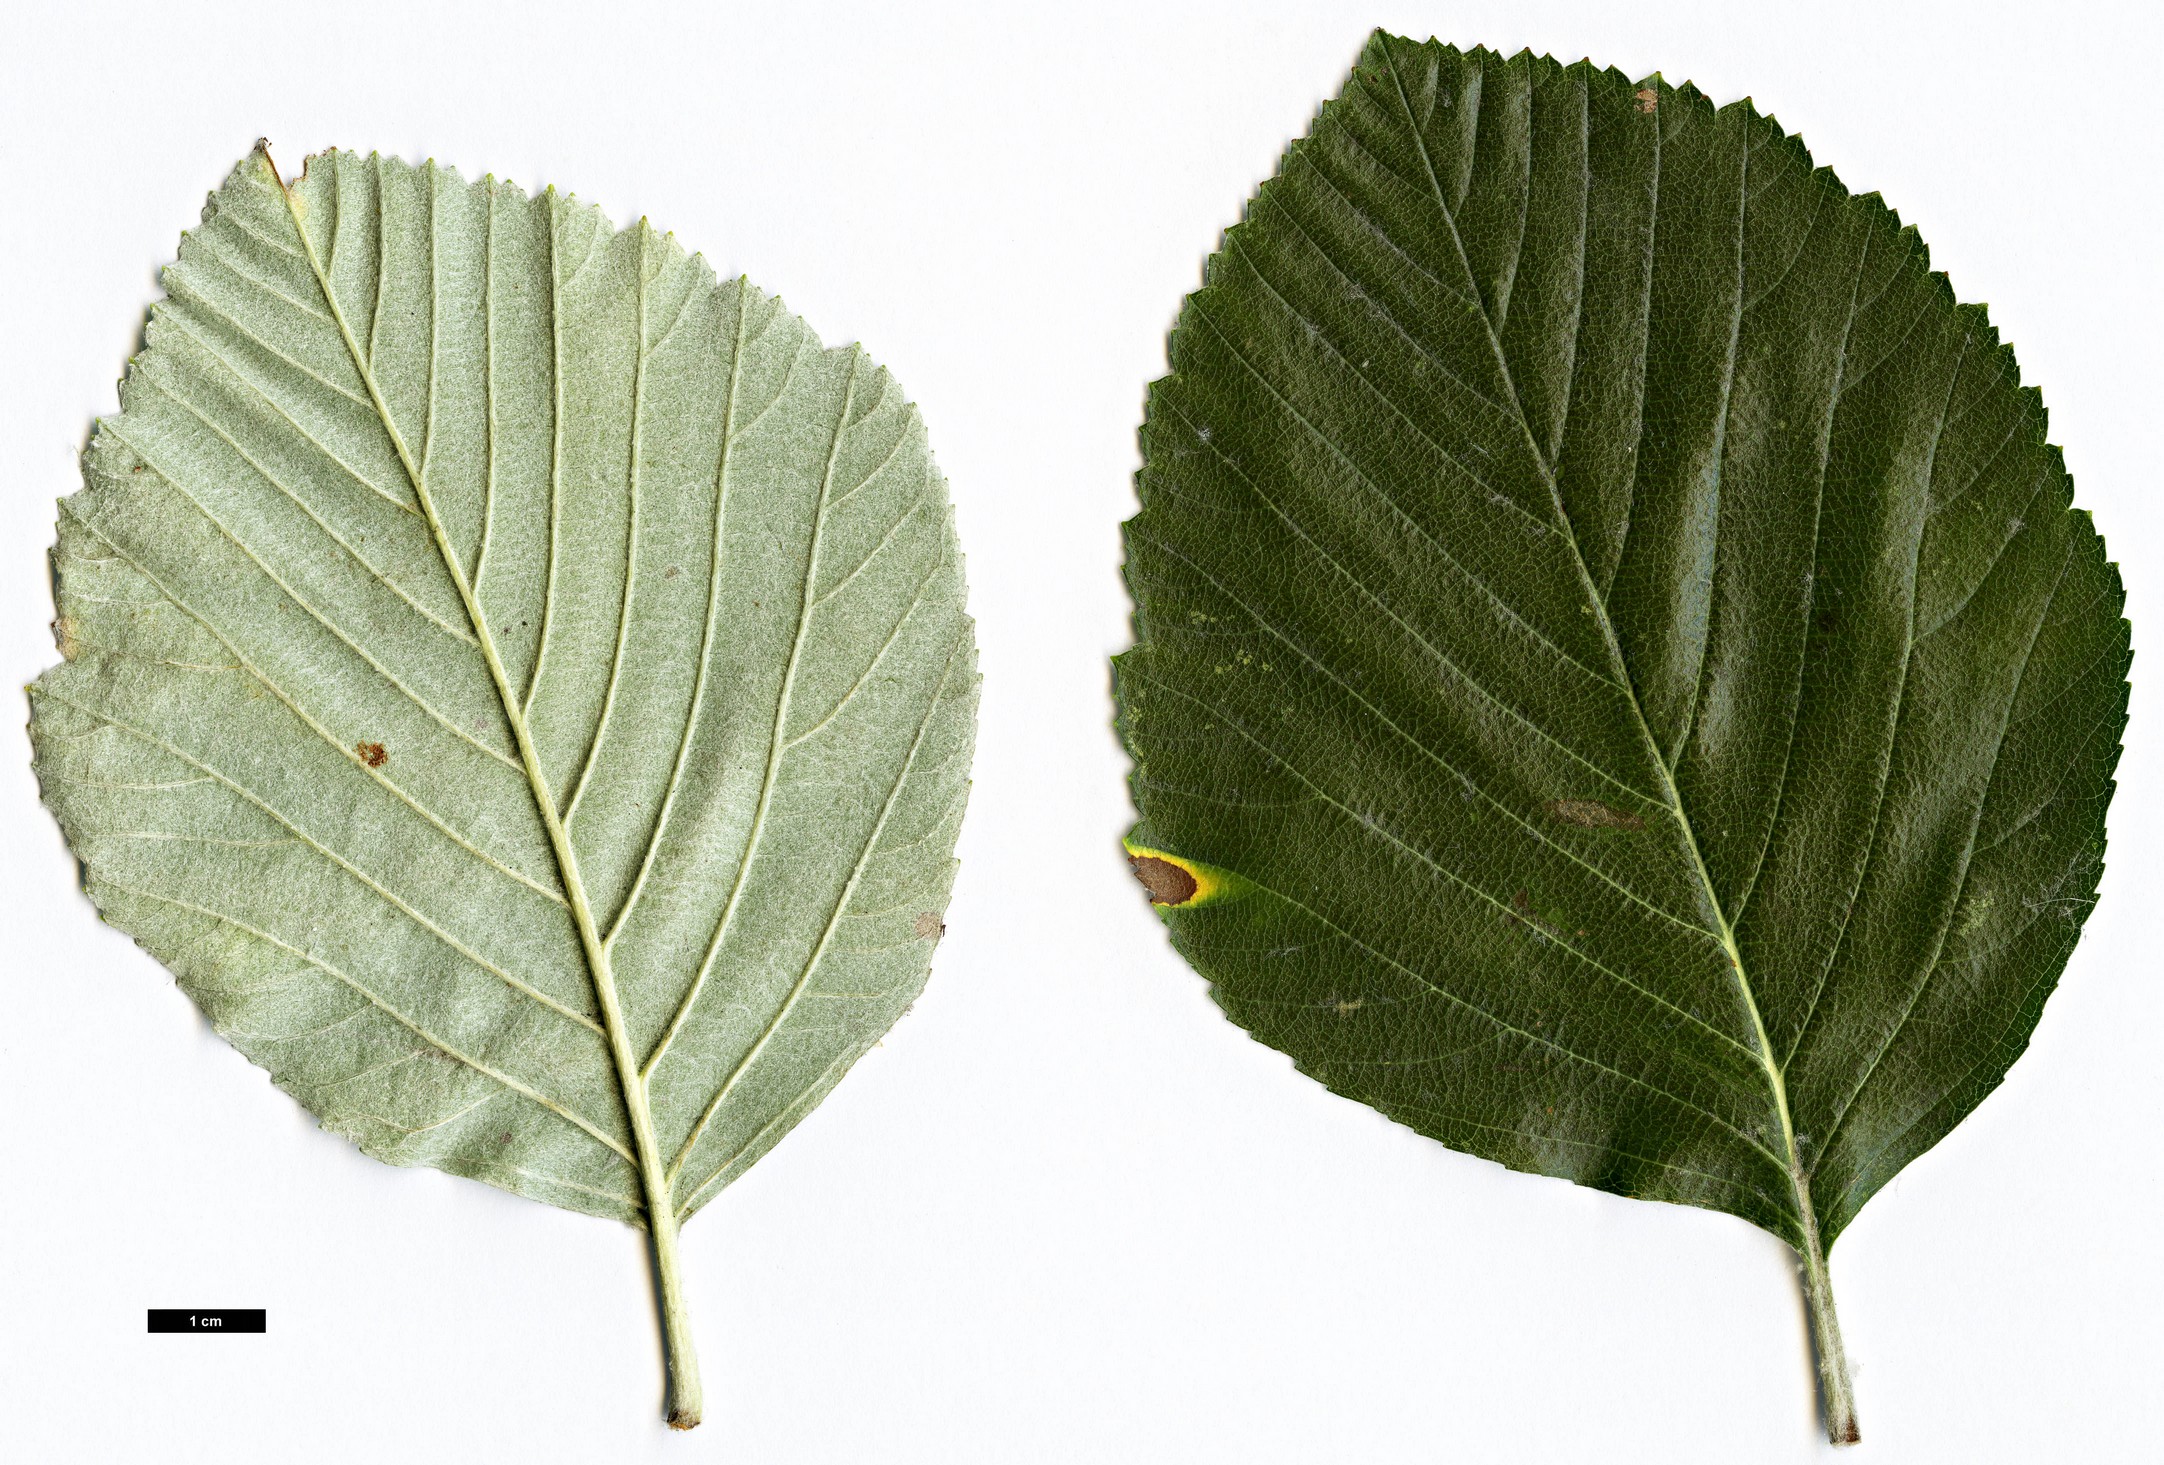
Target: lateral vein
308,719
339,860
376,999
826,934
776,747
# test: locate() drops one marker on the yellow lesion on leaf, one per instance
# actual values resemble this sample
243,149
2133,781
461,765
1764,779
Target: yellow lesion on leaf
1178,883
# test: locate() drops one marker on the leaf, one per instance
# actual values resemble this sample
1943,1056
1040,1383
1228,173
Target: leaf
518,683
1617,619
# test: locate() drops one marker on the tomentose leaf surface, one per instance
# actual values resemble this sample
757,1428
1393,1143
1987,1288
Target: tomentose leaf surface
519,684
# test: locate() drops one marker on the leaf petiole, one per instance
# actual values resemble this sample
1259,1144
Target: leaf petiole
1837,1397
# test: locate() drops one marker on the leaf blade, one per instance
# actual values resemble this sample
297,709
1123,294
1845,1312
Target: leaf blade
1568,505
282,665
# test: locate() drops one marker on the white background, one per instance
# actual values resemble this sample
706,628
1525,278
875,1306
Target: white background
1067,1213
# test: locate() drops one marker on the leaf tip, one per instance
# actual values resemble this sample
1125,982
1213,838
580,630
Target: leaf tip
261,153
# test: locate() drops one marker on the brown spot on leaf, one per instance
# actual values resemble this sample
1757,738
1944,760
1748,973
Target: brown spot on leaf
1647,98
1166,882
371,753
930,927
1593,814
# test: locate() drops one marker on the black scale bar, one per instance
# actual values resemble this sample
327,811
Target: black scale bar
208,1320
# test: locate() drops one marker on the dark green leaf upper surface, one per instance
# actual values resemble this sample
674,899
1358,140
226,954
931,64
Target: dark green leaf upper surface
1618,618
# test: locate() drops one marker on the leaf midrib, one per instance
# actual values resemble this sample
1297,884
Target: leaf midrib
629,1082
1776,1084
